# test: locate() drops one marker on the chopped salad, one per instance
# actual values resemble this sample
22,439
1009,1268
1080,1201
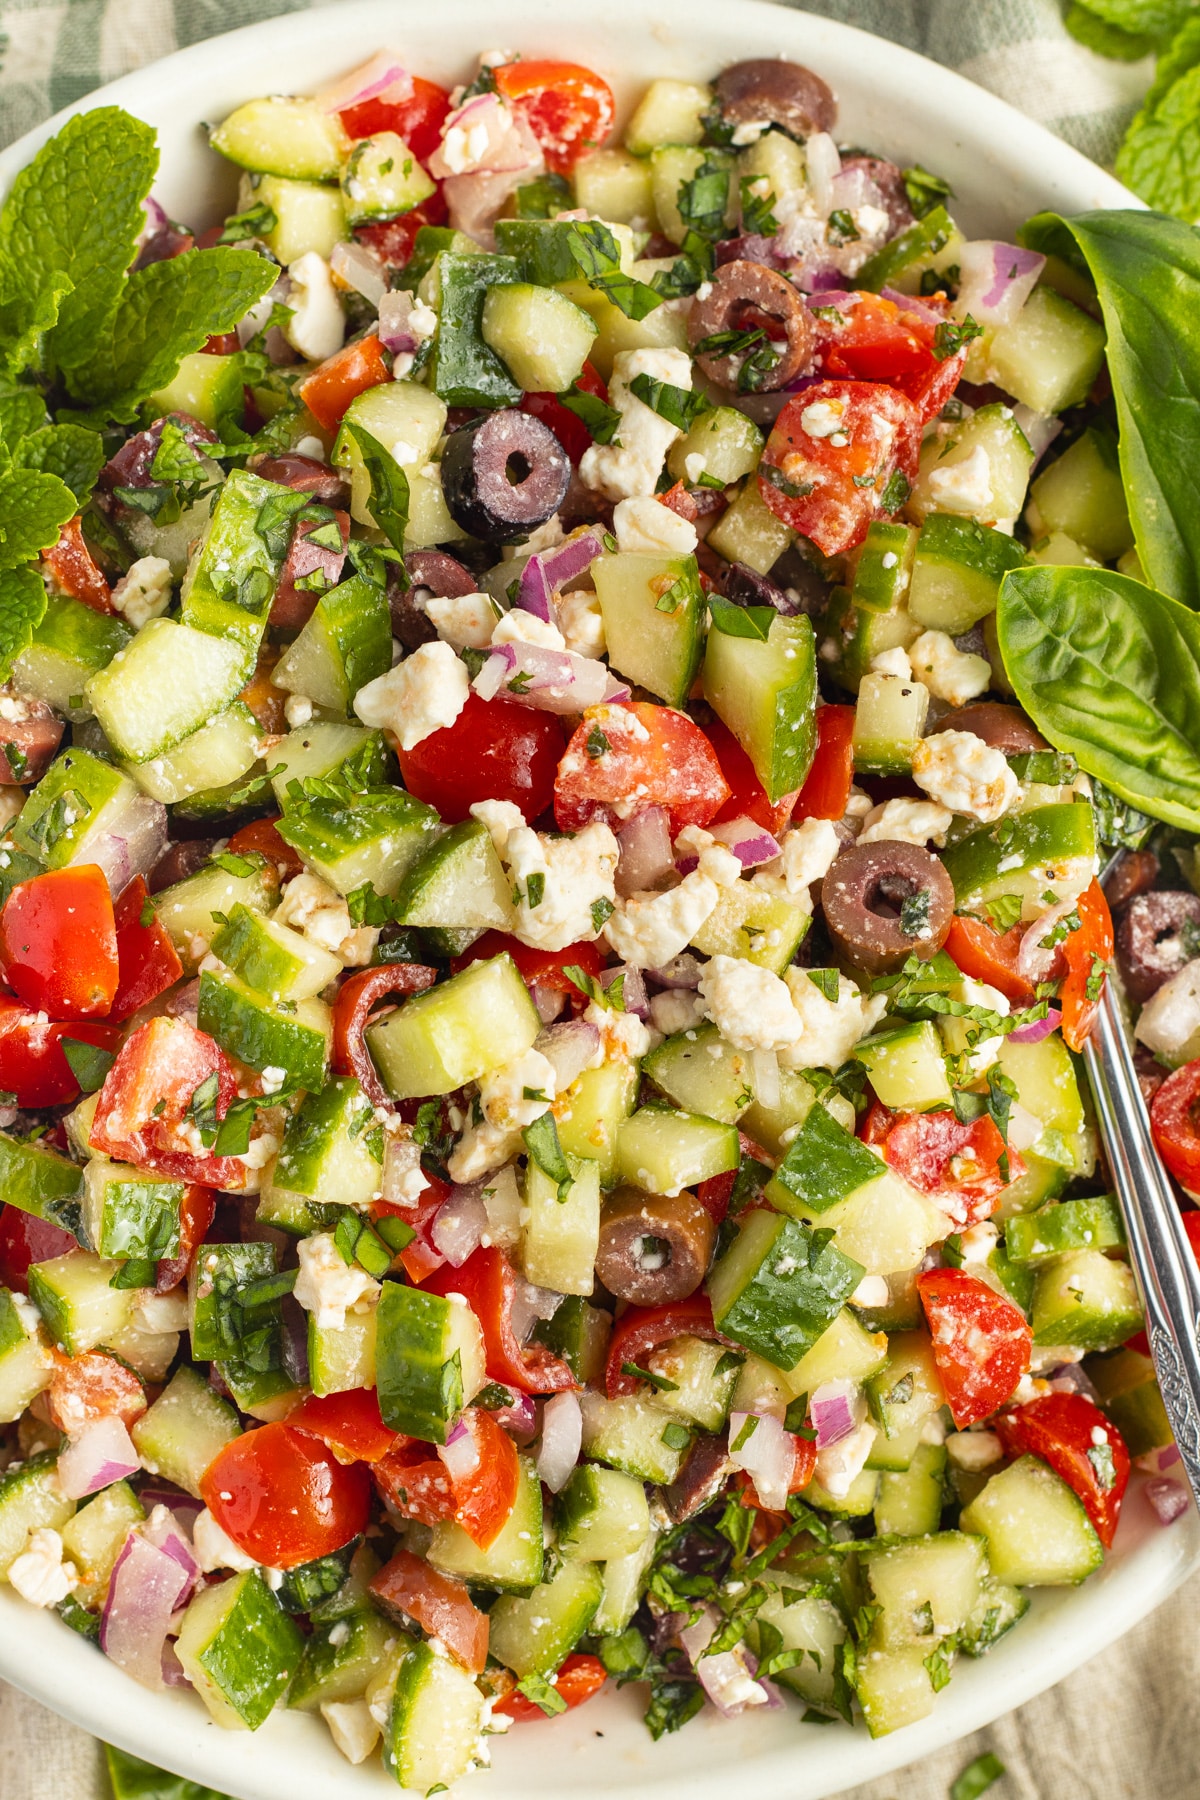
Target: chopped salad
553,812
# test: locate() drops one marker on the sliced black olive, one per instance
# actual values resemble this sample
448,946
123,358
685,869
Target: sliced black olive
885,901
742,296
437,573
28,743
654,1247
746,587
701,1478
1133,872
306,475
767,90
1157,934
1006,728
889,179
178,861
503,475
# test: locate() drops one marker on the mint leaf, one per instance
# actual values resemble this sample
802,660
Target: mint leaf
1180,55
22,604
71,452
1155,17
33,509
167,311
76,211
26,316
21,411
1106,40
1160,158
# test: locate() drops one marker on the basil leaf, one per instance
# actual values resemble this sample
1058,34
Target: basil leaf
601,419
741,621
89,1063
680,407
541,1141
977,1777
389,487
1110,671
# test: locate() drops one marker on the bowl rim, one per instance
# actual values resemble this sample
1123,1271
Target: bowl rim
39,1655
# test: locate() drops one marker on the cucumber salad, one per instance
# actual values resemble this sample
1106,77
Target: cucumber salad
566,696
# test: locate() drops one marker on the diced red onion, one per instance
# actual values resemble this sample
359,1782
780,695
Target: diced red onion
822,165
750,842
533,591
1040,429
156,220
476,201
175,1500
519,1419
834,1408
129,840
383,73
1037,1029
548,1002
571,1047
647,857
460,1453
395,312
1168,1497
172,1669
562,1438
146,1587
765,1067
932,315
683,971
1036,959
996,280
727,1677
530,1304
1157,1462
853,187
768,1456
615,690
1071,1378
567,561
460,1224
509,145
634,997
361,269
101,1454
555,681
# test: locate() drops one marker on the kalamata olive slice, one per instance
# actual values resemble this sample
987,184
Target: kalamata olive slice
1006,728
741,295
746,587
885,901
30,733
654,1247
293,605
503,475
767,90
1150,1072
1156,935
1133,872
701,1478
306,475
429,572
178,861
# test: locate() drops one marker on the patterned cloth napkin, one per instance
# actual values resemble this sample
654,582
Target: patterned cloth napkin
1121,1729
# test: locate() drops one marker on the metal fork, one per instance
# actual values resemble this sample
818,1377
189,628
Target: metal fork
1162,1257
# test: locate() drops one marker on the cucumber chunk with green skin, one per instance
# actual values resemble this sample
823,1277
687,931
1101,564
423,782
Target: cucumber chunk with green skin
886,1224
760,928
382,179
26,1364
601,1513
653,610
542,338
279,136
346,643
30,1498
993,431
1081,494
533,1634
749,532
374,837
549,250
700,1072
882,566
591,1113
1046,1083
611,184
127,1212
436,1717
229,586
812,1623
1037,1531
765,691
908,1389
663,1152
669,112
727,443
77,1304
1093,1224
216,756
956,573
189,908
456,1032
240,1331
465,371
514,1560
579,1333
429,1361
703,1377
308,216
910,1500
774,1126
998,1609
778,1287
888,722
320,750
560,1238
1087,1299
341,1358
635,1436
273,959
1022,853
927,1590
1130,1397
893,1686
247,1026
182,1431
824,1163
74,808
624,1584
907,1067
457,882
37,1180
239,1650
94,1538
1049,356
933,242
406,419
207,388
856,1503
673,164
72,643
331,1156
852,636
337,1663
844,1351
164,685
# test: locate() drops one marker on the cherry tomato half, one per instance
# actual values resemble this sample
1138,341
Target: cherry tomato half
841,454
569,109
1071,1434
659,754
495,750
1173,1115
981,1342
284,1498
58,943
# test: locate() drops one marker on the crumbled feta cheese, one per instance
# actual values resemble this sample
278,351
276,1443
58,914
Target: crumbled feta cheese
313,448
352,1728
521,627
581,623
317,324
622,1034
520,1092
713,858
974,1450
676,1009
751,1008
481,1149
311,907
964,487
1170,1019
647,930
809,850
576,876
983,1052
872,1291
502,818
39,1574
327,1286
145,592
214,1548
462,620
839,1465
160,1312
829,1028
958,770
749,132
952,675
693,467
977,1244
822,418
621,470
895,661
644,525
906,822
463,148
297,710
421,695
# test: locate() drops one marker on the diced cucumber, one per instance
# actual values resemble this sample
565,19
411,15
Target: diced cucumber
456,883
375,838
542,337
669,112
957,572
661,328
339,1659
1094,1223
824,1163
663,1152
189,908
93,1539
886,1225
774,1126
700,1072
888,722
703,1377
239,1650
78,1307
778,158
881,568
293,1037
279,136
765,692
342,1357
893,1687
907,1068
429,1360
330,1157
230,582
37,1180
273,959
74,808
255,1377
910,1500
933,242
760,928
26,1362
130,1212
997,1611
601,1513
465,371
204,387
634,1436
1046,1083
994,431
1024,853
1085,1298
1056,550
749,532
72,643
30,1499
167,682
346,643
1049,356
1037,1531
216,756
777,1289
437,1041
615,186
624,1583
673,164
320,750
852,636
727,443
436,1716
843,1352
560,1238
908,1390
856,1503
591,1113
382,178
307,217
182,1431
927,1589
513,1561
654,612
1082,494
532,1635
812,1623
1128,1390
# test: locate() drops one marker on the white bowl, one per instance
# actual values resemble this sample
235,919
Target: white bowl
1002,167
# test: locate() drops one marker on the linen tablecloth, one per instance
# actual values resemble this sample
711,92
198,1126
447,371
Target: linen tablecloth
1123,1727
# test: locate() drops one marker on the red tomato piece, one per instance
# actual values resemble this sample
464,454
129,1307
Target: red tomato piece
747,796
495,750
489,1286
58,943
261,838
569,109
143,1112
33,1065
284,1498
25,1240
71,567
332,385
576,1680
567,426
885,340
956,1164
812,483
419,1258
413,1479
642,1329
94,1386
438,1603
653,751
349,1422
147,959
826,790
804,1467
981,1342
351,1010
416,117
484,1499
197,1209
1071,1434
1088,952
991,956
543,968
1173,1117
876,1123
394,239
